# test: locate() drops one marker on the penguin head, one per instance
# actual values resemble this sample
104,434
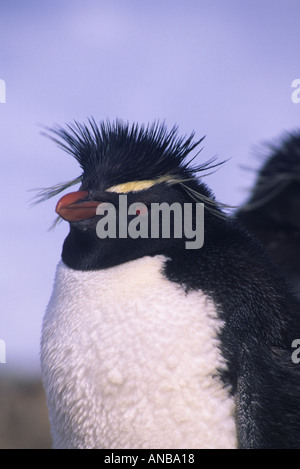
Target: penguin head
128,171
275,196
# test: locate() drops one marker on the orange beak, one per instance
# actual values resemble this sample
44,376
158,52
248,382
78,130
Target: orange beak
73,207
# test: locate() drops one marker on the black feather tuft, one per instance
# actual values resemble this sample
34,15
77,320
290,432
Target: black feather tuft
115,153
281,167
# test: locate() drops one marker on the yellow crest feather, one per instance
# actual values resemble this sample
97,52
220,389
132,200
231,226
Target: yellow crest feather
136,186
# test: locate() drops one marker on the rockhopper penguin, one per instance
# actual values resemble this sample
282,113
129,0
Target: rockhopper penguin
149,344
272,212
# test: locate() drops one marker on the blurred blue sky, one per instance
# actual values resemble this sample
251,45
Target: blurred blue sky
222,68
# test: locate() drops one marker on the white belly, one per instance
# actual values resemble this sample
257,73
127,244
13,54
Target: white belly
129,361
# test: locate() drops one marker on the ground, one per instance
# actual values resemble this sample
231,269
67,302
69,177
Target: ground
23,414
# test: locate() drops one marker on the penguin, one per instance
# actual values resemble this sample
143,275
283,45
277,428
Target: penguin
149,342
272,211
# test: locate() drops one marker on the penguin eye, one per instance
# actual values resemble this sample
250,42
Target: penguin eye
141,209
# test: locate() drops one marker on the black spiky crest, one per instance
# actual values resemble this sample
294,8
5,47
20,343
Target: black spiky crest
116,153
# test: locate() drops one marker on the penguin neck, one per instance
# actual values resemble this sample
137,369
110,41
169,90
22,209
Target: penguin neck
83,251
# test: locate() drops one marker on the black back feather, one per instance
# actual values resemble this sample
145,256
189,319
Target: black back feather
281,167
272,212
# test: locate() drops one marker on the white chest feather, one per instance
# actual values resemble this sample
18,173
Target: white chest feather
129,361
